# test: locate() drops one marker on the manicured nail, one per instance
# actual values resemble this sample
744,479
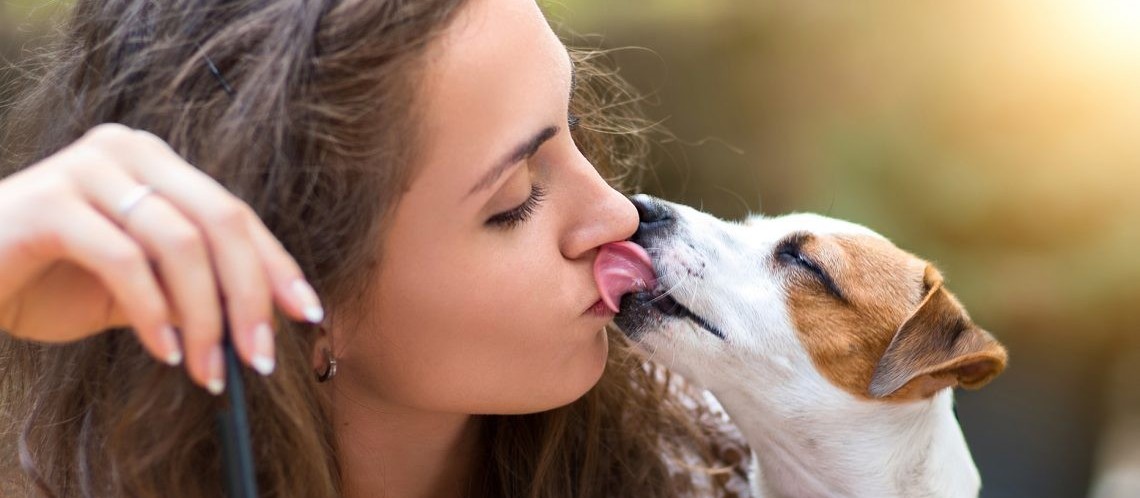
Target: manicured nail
216,371
169,339
262,359
311,306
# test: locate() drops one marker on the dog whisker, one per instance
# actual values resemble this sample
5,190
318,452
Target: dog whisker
653,353
677,286
655,251
641,343
673,349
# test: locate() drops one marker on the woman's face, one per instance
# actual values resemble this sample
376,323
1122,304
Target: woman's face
484,302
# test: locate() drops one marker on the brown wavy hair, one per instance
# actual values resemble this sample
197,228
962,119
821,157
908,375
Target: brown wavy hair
310,120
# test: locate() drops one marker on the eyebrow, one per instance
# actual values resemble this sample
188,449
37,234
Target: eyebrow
524,150
520,152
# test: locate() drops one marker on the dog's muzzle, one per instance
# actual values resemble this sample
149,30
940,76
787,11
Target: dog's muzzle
640,311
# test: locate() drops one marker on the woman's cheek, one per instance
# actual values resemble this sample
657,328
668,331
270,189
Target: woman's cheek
519,272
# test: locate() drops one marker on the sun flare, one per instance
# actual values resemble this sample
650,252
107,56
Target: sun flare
1111,26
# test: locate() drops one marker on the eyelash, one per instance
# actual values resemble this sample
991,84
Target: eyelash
791,254
516,216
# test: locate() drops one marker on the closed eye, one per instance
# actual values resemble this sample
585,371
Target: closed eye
519,214
790,252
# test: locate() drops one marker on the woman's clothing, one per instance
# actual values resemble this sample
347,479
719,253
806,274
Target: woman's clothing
731,453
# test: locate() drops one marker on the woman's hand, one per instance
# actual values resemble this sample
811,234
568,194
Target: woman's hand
77,256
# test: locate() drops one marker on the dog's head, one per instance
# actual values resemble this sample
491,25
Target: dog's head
788,294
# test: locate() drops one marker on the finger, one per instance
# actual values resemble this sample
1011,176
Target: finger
183,262
187,271
99,246
248,297
222,219
290,289
197,195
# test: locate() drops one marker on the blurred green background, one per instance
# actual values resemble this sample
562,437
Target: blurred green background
999,139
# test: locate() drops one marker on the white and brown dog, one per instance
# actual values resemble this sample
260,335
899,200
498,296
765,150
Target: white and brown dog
830,348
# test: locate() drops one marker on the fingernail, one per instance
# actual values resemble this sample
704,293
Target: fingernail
215,369
169,340
262,359
311,307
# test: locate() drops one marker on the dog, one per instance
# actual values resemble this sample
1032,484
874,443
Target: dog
831,349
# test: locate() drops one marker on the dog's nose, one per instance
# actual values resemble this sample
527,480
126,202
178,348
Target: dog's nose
653,215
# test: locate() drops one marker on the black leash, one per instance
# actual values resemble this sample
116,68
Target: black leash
233,417
233,429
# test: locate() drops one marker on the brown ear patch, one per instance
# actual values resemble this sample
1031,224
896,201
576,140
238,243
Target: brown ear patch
882,285
860,346
937,347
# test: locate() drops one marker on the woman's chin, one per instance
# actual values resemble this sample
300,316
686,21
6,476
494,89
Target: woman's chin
569,384
588,372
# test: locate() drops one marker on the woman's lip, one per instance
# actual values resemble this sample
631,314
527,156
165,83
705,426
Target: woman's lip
599,308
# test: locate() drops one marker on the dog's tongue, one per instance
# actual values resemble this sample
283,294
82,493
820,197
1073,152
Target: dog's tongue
621,268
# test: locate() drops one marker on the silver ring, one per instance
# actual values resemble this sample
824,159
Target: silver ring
132,199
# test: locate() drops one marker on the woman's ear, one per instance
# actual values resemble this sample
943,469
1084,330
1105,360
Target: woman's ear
318,356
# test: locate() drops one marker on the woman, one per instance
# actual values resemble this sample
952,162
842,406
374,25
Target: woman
420,163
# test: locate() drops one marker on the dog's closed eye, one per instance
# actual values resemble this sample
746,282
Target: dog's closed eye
791,252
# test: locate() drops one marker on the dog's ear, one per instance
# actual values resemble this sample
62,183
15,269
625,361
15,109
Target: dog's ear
937,347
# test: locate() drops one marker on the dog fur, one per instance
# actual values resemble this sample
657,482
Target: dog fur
830,348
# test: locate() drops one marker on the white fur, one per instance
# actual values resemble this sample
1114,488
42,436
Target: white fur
811,438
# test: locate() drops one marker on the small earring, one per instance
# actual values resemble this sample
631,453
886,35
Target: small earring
330,368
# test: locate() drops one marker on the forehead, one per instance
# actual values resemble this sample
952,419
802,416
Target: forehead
810,223
872,271
491,80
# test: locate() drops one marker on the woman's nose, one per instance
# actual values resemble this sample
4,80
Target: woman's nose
603,215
